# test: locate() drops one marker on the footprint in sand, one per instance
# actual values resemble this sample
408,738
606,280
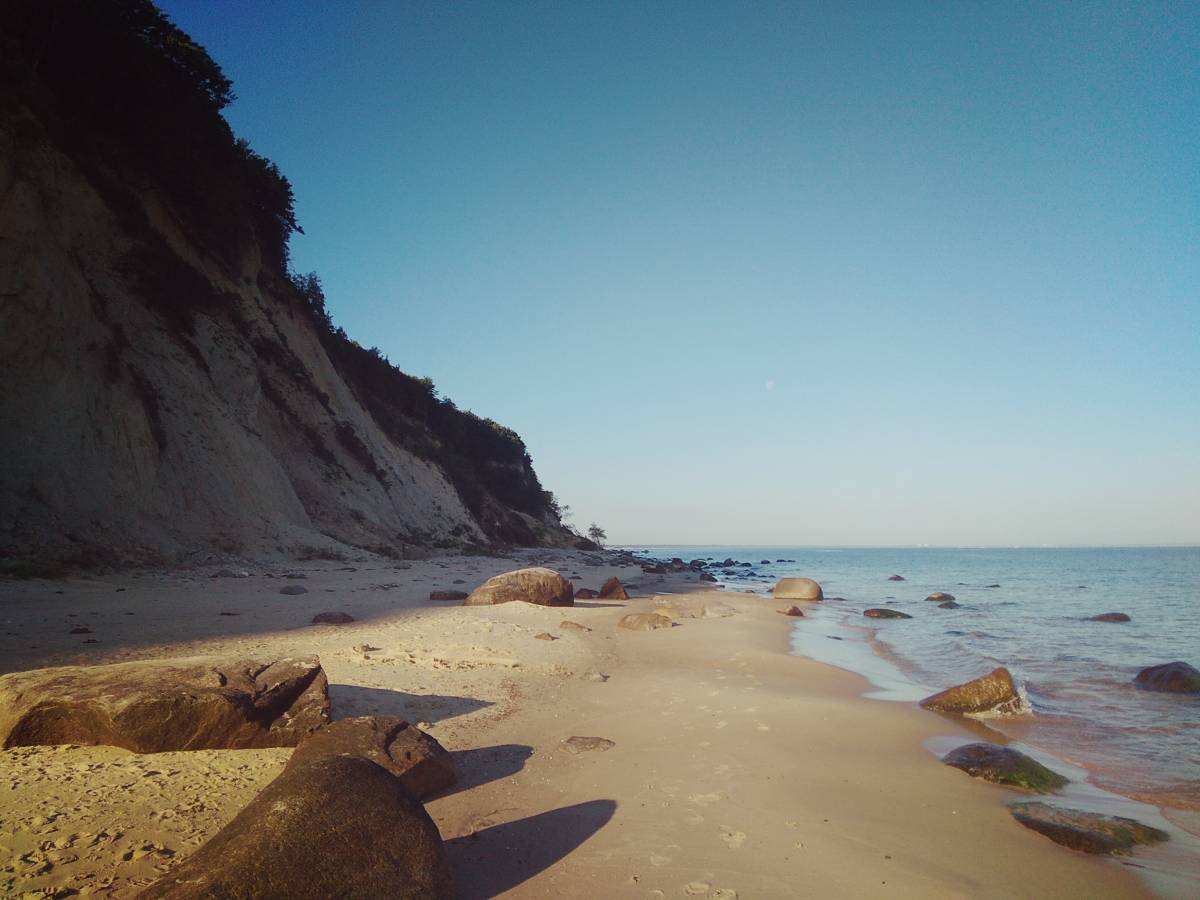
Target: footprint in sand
723,894
696,888
660,860
733,839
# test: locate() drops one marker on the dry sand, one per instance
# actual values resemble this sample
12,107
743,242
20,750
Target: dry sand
735,770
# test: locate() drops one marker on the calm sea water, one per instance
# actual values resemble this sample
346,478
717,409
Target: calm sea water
1078,673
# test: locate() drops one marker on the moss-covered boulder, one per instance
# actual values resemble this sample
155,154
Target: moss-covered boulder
1088,832
1006,766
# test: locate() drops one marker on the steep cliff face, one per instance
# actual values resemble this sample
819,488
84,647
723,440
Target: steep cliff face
167,387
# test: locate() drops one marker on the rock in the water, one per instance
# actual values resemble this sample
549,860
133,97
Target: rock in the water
654,570
1003,765
644,621
80,629
1170,678
585,594
540,586
1086,831
584,744
613,590
878,613
332,618
294,590
895,578
568,625
704,576
151,706
797,589
341,826
1111,617
448,595
791,611
423,766
993,693
949,604
941,597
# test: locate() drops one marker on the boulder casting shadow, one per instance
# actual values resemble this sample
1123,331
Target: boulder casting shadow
500,857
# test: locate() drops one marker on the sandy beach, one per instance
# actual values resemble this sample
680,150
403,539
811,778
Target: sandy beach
734,770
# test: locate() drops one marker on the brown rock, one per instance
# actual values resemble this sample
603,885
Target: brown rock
544,636
613,590
940,597
994,692
423,766
1004,765
949,604
332,618
568,625
705,576
540,586
1086,831
341,826
881,613
585,594
644,622
448,595
1110,617
1170,678
150,706
895,578
797,589
791,611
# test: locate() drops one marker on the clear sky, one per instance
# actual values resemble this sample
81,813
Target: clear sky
799,273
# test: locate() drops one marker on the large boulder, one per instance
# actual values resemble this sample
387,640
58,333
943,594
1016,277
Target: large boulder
645,621
1170,678
335,827
1003,765
797,589
1087,831
538,585
423,766
151,706
613,590
994,693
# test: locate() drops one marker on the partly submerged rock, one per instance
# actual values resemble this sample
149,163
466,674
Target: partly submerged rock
340,826
332,618
1006,766
791,611
448,595
949,604
878,613
579,744
705,576
940,597
423,766
993,693
151,706
895,578
644,621
1111,617
1086,831
1170,678
537,585
613,590
293,590
797,589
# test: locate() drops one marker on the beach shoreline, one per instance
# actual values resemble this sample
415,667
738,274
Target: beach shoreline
737,768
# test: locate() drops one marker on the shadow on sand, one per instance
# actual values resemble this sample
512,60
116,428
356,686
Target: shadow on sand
484,764
351,700
499,857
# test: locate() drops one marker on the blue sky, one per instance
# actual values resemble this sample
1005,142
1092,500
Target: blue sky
785,273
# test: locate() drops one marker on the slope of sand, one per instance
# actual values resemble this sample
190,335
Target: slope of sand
735,769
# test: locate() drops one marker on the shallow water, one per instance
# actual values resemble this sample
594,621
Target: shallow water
1078,674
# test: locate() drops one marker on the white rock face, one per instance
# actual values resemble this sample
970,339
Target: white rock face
123,439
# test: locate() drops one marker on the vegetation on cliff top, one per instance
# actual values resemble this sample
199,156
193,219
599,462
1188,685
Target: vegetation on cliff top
136,102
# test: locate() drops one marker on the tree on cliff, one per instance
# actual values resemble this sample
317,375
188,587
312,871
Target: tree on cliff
597,534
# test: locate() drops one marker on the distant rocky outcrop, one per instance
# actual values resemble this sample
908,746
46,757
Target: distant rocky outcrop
1004,765
423,766
1170,678
1086,831
994,693
538,585
797,589
341,826
151,706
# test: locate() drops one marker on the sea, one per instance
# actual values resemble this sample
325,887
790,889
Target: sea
1028,609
